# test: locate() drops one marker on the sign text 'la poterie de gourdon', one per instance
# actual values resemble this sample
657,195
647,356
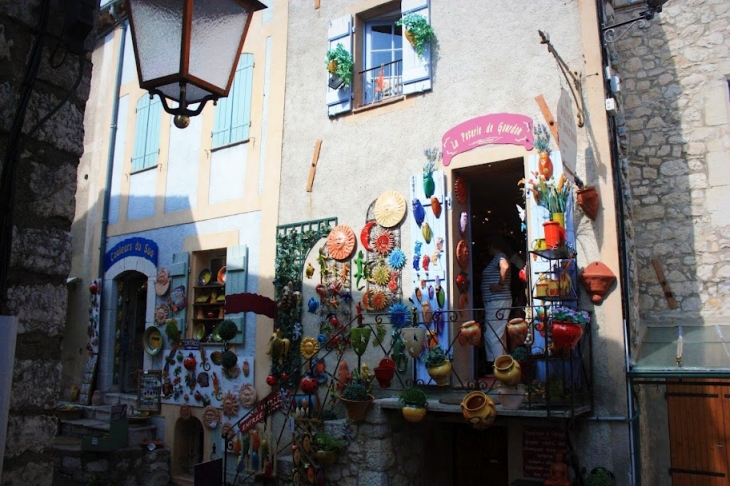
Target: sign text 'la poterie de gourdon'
498,128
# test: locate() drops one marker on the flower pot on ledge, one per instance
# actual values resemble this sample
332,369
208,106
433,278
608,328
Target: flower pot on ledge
588,201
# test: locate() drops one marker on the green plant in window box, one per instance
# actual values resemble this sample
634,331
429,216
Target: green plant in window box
339,63
227,330
418,31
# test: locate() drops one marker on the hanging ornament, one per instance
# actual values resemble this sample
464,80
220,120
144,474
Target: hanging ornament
365,235
427,233
419,214
435,206
463,222
461,190
397,259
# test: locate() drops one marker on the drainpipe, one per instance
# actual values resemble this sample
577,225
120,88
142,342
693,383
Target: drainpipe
112,143
623,254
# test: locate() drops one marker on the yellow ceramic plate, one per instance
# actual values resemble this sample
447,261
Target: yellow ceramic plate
204,277
152,340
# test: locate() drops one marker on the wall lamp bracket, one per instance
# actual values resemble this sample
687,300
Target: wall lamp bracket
642,21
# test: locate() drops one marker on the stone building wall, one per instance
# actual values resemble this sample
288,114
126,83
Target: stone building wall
44,210
675,100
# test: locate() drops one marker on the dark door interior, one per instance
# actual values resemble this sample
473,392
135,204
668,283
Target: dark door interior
480,456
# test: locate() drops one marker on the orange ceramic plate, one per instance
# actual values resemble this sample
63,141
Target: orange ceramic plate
222,276
341,242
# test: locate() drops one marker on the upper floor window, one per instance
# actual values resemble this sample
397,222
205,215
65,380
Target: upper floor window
147,133
386,64
382,69
233,114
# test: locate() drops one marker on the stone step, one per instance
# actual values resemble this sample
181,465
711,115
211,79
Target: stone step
87,427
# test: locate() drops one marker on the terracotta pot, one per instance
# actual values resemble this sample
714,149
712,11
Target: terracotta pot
565,335
332,66
441,374
554,234
410,37
511,397
356,410
414,339
413,414
326,458
470,333
478,410
597,279
507,370
384,375
517,331
588,201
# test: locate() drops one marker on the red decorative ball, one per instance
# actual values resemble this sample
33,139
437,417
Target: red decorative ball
94,288
271,380
334,321
284,376
309,385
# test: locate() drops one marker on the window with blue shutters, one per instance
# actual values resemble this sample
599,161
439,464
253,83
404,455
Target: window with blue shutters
233,114
147,133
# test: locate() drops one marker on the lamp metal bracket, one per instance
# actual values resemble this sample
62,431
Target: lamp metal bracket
642,22
571,77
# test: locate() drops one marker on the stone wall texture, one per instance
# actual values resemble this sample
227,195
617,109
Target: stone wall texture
44,210
675,101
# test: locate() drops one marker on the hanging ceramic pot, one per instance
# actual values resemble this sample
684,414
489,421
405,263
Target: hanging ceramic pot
597,280
470,333
507,370
441,374
517,331
478,410
413,338
384,375
429,186
359,338
588,201
435,206
545,165
565,335
427,312
419,214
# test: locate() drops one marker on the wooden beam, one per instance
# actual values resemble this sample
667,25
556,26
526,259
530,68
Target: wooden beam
552,125
663,282
316,4
313,168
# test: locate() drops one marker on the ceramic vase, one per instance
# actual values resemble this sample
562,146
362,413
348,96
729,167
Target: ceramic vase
441,374
413,414
511,397
470,333
588,201
554,234
545,165
384,375
559,218
478,410
507,370
517,331
414,339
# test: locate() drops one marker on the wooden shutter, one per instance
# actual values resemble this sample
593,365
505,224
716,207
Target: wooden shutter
416,70
436,267
233,114
140,133
147,133
339,32
236,283
179,276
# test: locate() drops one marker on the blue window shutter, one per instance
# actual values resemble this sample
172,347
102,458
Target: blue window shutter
222,125
236,283
339,32
140,133
416,70
241,115
233,114
154,118
179,276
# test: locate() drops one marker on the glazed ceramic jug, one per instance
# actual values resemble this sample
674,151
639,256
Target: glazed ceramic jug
470,333
507,370
478,410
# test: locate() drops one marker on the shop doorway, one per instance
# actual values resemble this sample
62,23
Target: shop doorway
131,314
480,454
494,194
188,445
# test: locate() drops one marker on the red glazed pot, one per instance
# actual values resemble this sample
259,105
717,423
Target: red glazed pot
517,331
565,335
384,375
597,280
470,333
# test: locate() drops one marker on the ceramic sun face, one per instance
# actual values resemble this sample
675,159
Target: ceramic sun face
229,404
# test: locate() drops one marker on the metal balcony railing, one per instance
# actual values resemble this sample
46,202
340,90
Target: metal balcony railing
382,82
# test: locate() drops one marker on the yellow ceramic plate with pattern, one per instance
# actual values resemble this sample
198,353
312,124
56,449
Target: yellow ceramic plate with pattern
199,331
152,340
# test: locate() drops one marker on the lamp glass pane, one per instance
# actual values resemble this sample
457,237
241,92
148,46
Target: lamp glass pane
216,33
158,33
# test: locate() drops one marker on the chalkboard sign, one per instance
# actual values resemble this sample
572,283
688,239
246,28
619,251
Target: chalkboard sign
88,381
149,391
539,445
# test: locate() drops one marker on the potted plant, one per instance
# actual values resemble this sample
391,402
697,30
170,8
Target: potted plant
418,31
600,477
414,404
339,64
566,327
357,400
437,365
327,448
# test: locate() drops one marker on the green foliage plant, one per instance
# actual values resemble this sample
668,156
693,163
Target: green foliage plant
328,443
356,392
599,477
434,357
227,330
343,63
542,138
420,30
172,331
413,397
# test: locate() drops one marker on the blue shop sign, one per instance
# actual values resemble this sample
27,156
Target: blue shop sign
137,247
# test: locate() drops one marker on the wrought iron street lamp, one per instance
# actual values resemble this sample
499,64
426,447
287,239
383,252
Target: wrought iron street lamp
187,50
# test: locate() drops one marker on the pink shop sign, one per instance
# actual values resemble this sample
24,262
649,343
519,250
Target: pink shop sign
498,128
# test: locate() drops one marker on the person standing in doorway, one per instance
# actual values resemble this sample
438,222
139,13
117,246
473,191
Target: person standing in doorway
497,297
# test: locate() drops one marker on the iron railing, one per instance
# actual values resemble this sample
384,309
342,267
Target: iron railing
381,83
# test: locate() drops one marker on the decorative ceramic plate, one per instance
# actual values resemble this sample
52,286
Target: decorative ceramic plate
390,208
211,417
204,277
462,254
152,340
162,313
341,242
461,190
178,298
199,331
222,275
